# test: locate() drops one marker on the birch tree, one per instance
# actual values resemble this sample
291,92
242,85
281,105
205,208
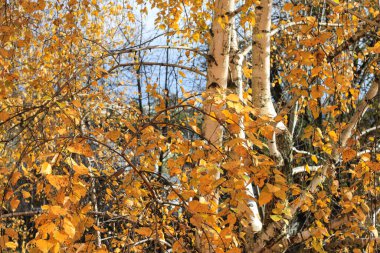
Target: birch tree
276,152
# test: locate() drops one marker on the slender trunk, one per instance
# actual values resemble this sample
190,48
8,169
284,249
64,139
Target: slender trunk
361,109
161,168
261,95
236,84
139,89
217,75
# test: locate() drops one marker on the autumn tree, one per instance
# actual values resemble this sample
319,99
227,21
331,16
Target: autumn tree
277,151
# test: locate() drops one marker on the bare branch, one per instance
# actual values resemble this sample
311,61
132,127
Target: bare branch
290,24
133,50
357,36
273,229
369,130
300,169
156,64
361,109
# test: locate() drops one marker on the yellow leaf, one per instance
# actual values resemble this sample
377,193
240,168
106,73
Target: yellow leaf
196,36
374,231
15,177
177,246
68,227
315,110
247,72
317,91
307,168
233,98
80,170
288,6
45,168
333,136
276,217
11,245
314,158
57,210
181,73
234,250
44,245
59,236
99,229
56,248
47,228
76,103
145,231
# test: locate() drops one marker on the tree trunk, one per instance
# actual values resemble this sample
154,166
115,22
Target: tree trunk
261,95
217,76
236,68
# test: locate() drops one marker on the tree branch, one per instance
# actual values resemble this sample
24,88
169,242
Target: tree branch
157,64
361,109
273,229
368,21
133,50
357,36
369,130
300,169
290,24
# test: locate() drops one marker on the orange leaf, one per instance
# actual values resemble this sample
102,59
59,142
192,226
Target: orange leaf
81,148
58,181
272,188
81,169
145,231
317,91
348,154
57,210
14,203
265,197
113,135
4,116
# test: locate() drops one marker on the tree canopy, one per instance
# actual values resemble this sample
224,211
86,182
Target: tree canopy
189,126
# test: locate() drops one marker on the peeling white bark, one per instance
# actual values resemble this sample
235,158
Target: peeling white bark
236,68
217,77
369,130
217,72
293,119
261,95
300,169
361,109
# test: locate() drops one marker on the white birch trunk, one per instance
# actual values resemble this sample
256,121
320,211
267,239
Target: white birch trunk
351,125
217,76
236,68
217,72
261,95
